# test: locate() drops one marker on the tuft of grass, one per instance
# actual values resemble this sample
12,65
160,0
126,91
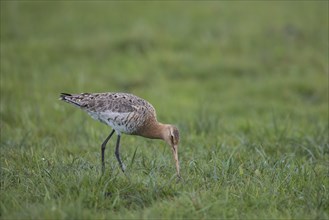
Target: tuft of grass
245,82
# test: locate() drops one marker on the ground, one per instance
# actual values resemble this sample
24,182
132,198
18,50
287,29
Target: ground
246,82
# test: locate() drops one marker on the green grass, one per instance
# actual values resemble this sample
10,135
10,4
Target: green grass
245,82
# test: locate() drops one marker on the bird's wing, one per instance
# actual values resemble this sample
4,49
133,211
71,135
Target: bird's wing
109,102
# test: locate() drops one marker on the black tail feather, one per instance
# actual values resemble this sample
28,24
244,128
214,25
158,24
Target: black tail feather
66,97
63,95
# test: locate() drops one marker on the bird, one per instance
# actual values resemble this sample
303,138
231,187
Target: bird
128,114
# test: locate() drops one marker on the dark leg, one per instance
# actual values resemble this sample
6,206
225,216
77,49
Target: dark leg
103,149
117,154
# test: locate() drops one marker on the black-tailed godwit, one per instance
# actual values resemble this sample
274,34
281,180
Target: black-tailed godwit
128,114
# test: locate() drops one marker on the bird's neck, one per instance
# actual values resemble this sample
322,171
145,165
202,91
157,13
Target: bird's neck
154,130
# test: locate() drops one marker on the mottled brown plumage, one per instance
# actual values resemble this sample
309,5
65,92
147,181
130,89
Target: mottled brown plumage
125,113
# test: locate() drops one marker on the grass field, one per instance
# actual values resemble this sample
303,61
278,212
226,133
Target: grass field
245,82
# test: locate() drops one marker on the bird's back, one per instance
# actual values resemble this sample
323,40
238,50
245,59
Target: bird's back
124,112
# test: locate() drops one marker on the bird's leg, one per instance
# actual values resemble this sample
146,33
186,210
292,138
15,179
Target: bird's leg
103,149
117,154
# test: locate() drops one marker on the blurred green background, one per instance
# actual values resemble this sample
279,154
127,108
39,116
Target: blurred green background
235,74
238,59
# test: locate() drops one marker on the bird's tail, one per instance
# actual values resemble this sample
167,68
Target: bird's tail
73,99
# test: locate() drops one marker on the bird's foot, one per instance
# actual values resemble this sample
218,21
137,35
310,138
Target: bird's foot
123,167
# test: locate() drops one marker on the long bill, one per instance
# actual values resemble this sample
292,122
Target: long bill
175,153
